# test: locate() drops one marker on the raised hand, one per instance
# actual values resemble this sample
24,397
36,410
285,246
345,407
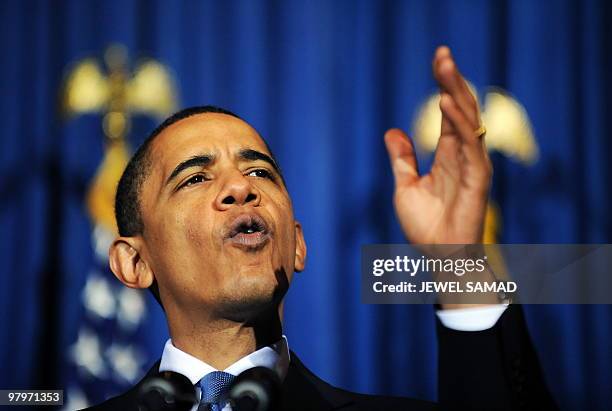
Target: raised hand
446,206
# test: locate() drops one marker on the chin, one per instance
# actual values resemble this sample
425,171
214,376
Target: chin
248,298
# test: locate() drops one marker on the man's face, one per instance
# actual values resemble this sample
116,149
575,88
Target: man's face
219,230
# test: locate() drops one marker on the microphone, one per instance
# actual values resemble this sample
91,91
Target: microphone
166,391
256,389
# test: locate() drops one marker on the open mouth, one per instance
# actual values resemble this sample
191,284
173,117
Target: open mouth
248,231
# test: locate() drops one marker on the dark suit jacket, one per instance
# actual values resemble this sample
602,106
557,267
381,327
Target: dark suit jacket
495,369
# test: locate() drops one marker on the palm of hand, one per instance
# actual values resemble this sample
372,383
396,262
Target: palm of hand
439,209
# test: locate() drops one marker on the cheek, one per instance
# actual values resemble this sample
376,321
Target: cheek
198,230
194,235
186,248
287,237
184,231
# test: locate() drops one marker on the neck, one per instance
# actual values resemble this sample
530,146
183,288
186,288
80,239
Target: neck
221,342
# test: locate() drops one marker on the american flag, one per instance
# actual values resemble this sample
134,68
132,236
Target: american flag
109,354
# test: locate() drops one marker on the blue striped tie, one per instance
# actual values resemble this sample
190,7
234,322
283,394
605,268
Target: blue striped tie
215,387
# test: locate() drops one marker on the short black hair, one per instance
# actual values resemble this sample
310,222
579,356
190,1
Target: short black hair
127,199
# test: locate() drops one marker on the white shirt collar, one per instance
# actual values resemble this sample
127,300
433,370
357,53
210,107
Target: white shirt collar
274,357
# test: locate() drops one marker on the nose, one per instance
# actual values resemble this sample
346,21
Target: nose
237,190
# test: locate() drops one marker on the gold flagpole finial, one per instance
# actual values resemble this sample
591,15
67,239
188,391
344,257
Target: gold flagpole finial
116,94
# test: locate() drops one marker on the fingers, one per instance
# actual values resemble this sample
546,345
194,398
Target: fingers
452,82
461,115
456,117
442,52
402,157
459,143
472,146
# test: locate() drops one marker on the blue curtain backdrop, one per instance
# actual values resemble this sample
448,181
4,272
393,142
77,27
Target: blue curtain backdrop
321,81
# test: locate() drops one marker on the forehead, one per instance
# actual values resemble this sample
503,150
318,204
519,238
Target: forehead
207,133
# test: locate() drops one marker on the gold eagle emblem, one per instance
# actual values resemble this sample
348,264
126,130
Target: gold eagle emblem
117,94
509,130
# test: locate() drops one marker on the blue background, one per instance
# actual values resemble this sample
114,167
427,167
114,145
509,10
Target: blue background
321,81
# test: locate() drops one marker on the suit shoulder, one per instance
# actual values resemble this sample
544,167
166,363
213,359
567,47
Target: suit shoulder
125,401
303,390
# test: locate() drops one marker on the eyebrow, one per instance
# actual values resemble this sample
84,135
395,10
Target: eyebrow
195,161
203,160
254,155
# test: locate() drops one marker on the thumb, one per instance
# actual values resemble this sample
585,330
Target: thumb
402,157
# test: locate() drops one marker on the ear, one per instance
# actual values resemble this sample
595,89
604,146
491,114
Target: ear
300,249
127,263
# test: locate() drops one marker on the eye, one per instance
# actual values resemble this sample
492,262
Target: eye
261,173
195,179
